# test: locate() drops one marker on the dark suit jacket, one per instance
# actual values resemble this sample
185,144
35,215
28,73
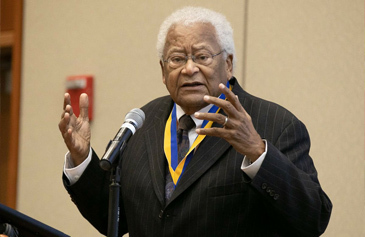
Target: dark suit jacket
214,196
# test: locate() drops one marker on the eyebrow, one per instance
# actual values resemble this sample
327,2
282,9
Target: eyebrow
174,50
197,47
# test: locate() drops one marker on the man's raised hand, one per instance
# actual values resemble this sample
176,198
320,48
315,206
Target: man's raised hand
76,130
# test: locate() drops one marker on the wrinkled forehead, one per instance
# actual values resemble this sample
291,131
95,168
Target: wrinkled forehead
192,36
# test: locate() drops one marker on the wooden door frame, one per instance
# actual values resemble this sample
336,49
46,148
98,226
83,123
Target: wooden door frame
11,192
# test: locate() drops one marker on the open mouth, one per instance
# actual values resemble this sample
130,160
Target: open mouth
193,84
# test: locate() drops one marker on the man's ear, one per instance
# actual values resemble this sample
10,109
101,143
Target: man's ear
163,72
229,65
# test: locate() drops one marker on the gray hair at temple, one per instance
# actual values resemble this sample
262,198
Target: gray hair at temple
190,15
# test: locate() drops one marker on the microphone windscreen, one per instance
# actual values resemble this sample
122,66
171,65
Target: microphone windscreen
137,116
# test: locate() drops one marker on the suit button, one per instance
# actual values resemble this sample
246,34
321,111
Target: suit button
272,192
161,214
276,197
264,186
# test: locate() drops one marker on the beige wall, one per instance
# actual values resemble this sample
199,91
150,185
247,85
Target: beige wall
305,55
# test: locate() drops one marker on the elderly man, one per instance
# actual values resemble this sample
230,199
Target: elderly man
246,169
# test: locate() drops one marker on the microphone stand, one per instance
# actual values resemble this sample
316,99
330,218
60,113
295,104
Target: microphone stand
114,194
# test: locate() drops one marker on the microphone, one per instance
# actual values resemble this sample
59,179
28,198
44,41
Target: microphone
132,121
8,230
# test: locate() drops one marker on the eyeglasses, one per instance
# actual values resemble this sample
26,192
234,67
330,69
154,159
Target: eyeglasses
201,58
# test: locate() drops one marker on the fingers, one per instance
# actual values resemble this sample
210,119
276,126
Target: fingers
232,107
67,105
237,128
217,118
231,97
68,118
234,118
84,107
64,124
66,100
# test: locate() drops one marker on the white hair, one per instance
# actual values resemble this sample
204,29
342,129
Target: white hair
190,15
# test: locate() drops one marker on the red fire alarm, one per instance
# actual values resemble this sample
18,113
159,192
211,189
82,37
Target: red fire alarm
75,86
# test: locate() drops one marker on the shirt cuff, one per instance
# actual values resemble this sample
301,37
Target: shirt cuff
251,169
74,173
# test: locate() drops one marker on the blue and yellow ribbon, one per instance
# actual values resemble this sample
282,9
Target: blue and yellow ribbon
170,142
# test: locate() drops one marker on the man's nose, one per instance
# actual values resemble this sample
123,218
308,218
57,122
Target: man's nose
190,67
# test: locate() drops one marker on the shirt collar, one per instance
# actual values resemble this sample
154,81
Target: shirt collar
198,122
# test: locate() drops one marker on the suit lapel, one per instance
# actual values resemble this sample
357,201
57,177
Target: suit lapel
154,143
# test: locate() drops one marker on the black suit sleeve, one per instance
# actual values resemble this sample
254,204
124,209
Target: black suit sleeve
91,194
288,182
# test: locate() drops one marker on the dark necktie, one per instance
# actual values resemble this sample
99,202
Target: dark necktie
185,124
